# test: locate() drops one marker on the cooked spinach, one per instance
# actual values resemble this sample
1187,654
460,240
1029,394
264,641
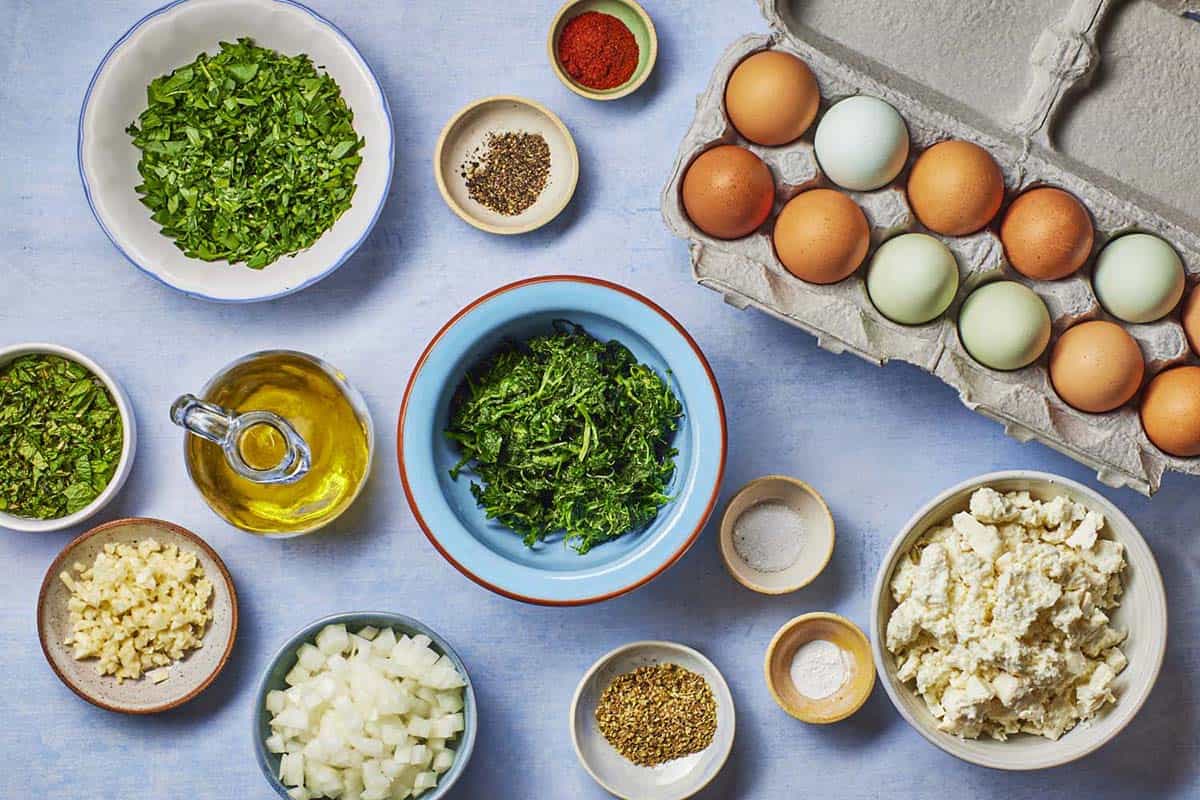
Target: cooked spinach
567,434
247,155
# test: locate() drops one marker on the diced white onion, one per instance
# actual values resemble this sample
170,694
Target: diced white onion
369,715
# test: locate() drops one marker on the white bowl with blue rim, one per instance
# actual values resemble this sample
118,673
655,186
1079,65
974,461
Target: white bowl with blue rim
173,36
552,573
285,658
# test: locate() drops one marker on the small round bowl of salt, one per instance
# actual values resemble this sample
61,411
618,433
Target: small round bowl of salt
776,535
819,668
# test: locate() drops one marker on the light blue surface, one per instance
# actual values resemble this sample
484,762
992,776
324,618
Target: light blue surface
551,572
877,442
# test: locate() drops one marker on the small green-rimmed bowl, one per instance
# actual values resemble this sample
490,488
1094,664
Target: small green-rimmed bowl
639,24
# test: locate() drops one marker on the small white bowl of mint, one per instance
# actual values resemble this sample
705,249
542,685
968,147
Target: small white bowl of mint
777,535
235,150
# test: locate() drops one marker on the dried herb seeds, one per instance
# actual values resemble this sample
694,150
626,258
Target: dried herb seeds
657,713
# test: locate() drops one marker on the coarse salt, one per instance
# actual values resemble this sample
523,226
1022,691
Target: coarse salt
819,668
768,536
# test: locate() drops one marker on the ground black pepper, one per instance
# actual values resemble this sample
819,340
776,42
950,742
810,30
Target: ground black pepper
508,172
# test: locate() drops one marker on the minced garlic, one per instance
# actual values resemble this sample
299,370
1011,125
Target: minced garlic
139,606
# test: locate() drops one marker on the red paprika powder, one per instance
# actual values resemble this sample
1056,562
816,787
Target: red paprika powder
598,50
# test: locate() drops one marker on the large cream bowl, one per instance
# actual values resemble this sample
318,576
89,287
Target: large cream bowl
1143,612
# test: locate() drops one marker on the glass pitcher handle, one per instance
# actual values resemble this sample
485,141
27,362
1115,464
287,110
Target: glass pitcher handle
225,428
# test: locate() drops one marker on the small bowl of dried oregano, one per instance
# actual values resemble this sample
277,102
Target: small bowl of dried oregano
653,720
67,437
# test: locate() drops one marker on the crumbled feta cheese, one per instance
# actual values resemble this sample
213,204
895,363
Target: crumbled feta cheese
1002,616
140,605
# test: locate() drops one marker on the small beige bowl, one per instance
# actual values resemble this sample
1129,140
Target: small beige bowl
639,24
817,532
466,132
849,697
188,677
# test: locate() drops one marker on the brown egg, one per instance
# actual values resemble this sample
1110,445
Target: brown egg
821,236
1171,411
772,97
1096,366
1047,234
1191,319
955,188
728,192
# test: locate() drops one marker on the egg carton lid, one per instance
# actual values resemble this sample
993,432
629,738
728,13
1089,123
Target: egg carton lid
1109,88
1020,83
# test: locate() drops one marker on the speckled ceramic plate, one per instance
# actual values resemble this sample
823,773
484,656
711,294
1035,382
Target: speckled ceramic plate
673,780
188,677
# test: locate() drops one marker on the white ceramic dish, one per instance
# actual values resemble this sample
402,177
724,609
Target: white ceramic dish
189,676
1143,612
173,36
817,533
674,780
128,447
465,133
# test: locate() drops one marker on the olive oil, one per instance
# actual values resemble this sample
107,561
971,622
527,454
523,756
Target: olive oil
321,407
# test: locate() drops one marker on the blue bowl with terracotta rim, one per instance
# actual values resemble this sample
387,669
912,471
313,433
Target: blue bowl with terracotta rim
285,658
552,573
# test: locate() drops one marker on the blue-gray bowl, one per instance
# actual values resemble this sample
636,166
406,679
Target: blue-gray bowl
285,658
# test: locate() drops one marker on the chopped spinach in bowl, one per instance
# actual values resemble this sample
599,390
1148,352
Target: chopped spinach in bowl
567,434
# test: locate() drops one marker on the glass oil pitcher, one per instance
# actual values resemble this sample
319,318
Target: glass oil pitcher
279,443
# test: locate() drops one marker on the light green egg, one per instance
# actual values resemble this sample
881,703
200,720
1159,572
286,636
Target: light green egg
912,278
1138,278
1004,325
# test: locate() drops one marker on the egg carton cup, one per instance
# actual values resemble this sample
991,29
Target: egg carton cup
842,317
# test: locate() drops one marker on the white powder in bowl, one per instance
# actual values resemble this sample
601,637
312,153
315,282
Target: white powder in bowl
768,536
819,668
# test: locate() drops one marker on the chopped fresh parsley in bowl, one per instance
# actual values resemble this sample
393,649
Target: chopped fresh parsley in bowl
236,151
247,156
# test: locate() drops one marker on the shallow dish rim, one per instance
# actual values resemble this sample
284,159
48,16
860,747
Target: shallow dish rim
948,742
194,539
338,262
128,437
697,352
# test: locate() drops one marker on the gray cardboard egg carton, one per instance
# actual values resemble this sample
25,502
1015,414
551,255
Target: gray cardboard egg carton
1061,63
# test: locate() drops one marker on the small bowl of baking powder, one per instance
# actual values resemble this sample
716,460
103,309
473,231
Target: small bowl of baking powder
819,668
777,535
